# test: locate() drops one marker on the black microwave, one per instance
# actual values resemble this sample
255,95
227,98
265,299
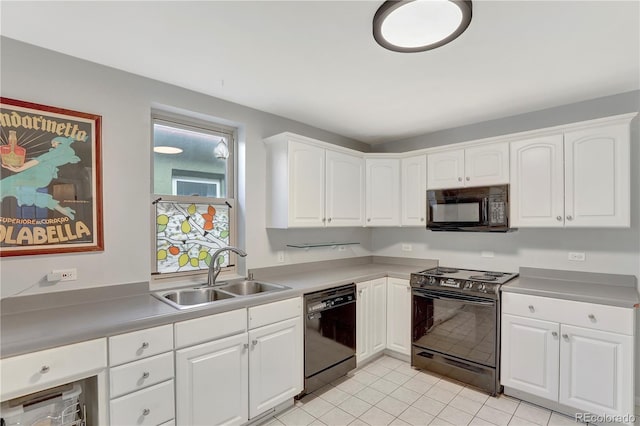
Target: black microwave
480,209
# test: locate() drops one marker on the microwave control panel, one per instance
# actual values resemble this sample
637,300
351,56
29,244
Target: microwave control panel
497,213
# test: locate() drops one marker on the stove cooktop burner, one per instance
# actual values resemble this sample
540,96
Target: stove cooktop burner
447,270
485,277
495,274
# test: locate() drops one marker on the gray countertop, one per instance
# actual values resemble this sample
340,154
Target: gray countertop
32,327
604,289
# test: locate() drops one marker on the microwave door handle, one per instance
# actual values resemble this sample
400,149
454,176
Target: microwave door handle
485,210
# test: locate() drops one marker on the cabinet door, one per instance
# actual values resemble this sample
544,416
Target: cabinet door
414,190
306,185
211,383
345,189
596,371
378,315
597,177
529,355
275,364
383,192
487,165
537,182
363,307
445,169
399,315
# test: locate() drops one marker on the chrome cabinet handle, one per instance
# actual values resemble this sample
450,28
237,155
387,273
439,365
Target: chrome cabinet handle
592,317
254,342
565,336
422,219
569,217
45,369
369,220
459,179
531,308
324,219
145,345
468,178
145,375
146,412
554,333
246,346
329,220
360,291
559,218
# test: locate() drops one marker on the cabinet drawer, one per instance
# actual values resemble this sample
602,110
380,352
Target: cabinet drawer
582,314
274,312
141,374
52,367
140,344
213,327
150,406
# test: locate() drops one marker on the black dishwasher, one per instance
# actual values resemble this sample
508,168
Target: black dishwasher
329,335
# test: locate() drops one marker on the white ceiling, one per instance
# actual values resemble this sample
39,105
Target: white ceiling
317,62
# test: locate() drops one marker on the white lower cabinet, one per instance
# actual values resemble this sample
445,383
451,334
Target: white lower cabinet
150,406
275,364
371,318
212,382
597,370
245,363
399,316
579,355
141,377
530,359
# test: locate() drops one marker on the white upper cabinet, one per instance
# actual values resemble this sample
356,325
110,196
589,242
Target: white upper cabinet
537,182
306,185
579,179
486,165
597,176
473,166
383,192
345,189
414,190
445,169
310,186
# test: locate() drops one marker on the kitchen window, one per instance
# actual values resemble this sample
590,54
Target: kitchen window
193,196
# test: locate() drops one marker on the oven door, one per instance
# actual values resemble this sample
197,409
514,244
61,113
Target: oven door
454,324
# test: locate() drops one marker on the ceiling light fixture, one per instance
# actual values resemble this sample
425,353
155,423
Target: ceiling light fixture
167,150
419,25
221,150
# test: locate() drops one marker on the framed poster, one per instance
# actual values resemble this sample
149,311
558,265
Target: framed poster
50,180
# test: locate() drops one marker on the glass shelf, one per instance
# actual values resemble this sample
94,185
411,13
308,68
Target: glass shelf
329,244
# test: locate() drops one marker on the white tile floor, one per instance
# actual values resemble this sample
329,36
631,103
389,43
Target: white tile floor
388,391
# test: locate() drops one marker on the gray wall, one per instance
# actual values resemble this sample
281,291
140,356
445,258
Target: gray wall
125,102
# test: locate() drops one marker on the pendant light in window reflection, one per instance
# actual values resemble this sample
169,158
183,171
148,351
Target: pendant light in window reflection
221,151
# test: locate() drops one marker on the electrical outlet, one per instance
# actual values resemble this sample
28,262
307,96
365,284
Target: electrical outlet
576,256
63,275
281,256
407,247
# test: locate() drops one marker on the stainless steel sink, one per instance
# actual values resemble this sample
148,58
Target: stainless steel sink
249,287
192,297
186,298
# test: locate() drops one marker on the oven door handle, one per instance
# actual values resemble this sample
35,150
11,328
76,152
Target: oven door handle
450,297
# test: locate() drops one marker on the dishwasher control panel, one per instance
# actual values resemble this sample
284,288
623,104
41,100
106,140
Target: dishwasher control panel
331,302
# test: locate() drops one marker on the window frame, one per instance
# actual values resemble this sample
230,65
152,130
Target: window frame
212,127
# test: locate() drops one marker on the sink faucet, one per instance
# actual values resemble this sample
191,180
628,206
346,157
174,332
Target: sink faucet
214,268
